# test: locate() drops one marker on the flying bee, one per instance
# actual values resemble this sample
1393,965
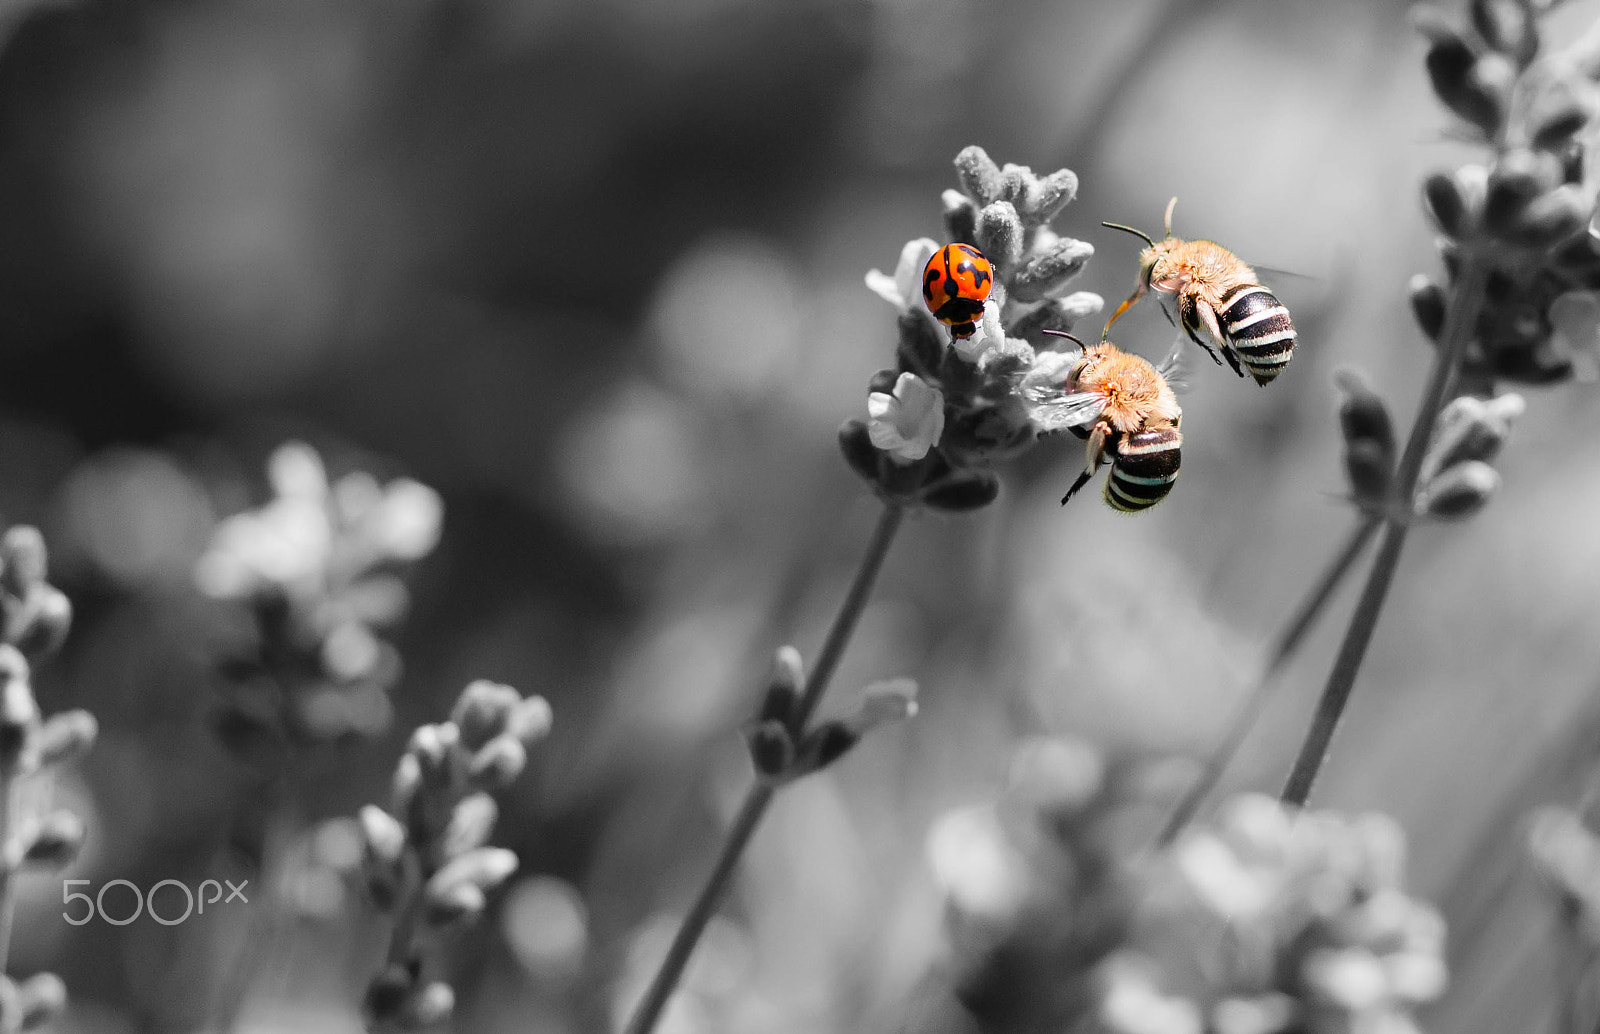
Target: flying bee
1126,410
1216,292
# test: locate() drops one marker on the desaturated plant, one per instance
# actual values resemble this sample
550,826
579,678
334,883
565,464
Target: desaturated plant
1267,921
1516,238
318,570
977,377
313,576
34,619
427,859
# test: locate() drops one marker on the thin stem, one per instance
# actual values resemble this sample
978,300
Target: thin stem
8,886
1465,302
648,1012
1244,717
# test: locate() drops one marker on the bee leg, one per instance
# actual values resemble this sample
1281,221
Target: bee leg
1095,451
1208,316
1083,479
1190,320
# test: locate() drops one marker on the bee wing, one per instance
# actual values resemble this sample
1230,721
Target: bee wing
1173,368
1060,411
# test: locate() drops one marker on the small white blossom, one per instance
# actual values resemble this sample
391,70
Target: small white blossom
907,423
904,289
988,335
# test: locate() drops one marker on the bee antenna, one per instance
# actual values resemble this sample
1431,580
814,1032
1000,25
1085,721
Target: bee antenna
1170,206
1136,233
1069,337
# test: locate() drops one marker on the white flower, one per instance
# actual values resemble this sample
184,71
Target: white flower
907,423
904,289
989,334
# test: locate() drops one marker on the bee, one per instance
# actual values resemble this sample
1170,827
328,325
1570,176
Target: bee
1126,410
1219,293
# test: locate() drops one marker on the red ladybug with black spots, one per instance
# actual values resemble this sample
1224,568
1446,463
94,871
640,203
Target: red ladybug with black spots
955,284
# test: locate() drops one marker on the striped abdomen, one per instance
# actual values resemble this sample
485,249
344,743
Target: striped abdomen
1144,465
1259,331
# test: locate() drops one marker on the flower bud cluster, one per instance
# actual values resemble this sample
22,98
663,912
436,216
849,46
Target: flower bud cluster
1038,888
1328,940
784,745
1566,853
426,858
34,618
1527,212
319,566
950,407
1457,476
1059,922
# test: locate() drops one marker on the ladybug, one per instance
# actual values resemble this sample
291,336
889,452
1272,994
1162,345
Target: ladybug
955,284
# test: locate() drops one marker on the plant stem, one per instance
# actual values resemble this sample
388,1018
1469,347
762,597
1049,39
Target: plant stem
8,884
756,801
1244,718
1466,300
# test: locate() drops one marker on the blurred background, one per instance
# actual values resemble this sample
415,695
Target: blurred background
594,272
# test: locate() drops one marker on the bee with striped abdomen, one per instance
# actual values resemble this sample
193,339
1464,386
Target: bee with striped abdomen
1126,410
1218,293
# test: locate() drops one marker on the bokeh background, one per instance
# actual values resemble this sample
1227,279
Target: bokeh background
593,270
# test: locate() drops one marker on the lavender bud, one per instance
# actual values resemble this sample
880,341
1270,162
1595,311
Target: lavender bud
1053,193
1454,71
921,344
388,994
431,1006
1016,184
964,492
57,840
67,736
1428,305
530,720
457,903
824,745
1508,27
1000,234
25,560
482,710
498,763
1362,413
1370,471
856,444
783,688
407,781
1451,210
43,622
431,746
771,748
1538,365
960,217
1047,275
1472,429
1460,491
1516,179
382,835
978,175
43,998
480,870
1551,218
471,823
1554,129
